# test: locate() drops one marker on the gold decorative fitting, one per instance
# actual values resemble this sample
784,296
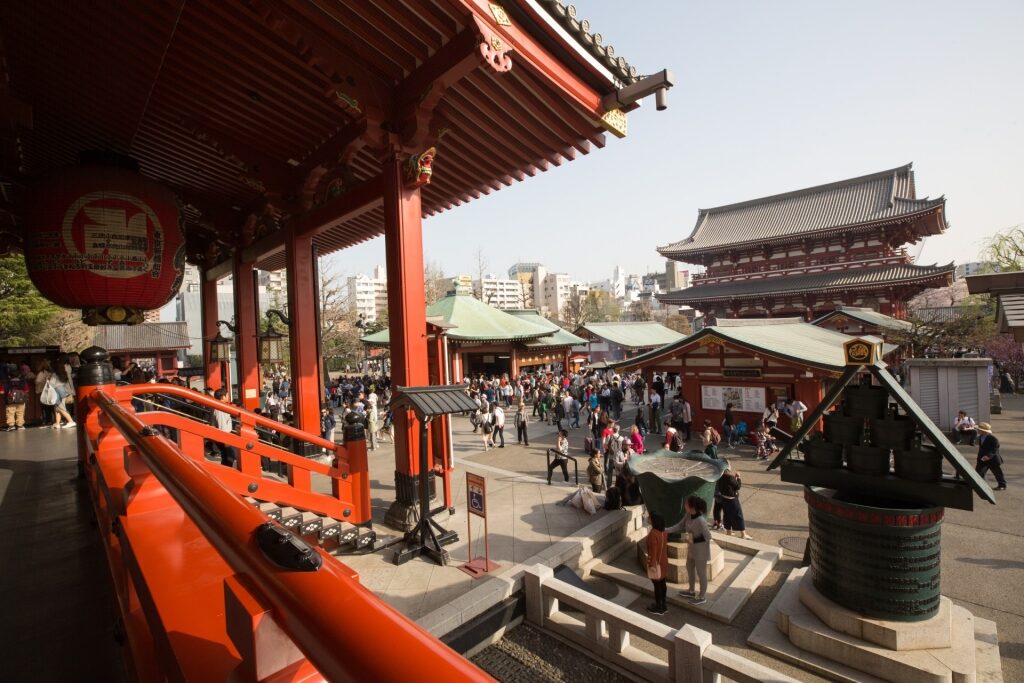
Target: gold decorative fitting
500,16
711,340
496,43
616,122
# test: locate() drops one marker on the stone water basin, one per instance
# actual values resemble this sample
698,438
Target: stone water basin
667,478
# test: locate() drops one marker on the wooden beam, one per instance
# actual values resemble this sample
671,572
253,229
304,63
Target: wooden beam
360,199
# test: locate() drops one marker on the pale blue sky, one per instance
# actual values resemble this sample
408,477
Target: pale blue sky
769,97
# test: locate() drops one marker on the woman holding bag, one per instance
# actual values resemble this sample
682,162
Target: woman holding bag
657,564
65,391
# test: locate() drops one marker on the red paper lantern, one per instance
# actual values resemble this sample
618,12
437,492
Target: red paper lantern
106,240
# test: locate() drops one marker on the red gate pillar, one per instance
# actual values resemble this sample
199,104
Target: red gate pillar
208,305
246,325
302,333
403,246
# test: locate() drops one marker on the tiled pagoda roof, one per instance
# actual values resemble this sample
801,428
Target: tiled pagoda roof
887,196
860,278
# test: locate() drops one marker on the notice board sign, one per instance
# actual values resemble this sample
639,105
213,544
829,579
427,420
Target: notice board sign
476,494
743,399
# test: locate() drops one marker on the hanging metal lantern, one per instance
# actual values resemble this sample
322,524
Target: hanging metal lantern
272,346
220,348
102,238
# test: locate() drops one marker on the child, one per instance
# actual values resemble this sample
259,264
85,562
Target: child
765,442
595,470
698,538
657,564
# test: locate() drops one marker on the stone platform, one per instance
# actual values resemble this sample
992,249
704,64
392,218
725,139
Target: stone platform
744,566
805,628
677,554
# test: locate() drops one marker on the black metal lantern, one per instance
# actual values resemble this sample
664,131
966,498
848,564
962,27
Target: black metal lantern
220,348
272,346
272,341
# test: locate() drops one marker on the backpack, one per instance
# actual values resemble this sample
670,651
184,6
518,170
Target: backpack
677,443
716,438
15,397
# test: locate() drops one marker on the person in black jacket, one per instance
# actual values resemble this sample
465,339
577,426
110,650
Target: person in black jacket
988,455
728,492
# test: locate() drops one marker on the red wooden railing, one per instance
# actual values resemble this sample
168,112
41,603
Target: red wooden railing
199,599
349,499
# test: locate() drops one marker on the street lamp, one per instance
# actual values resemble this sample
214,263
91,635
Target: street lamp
220,346
271,341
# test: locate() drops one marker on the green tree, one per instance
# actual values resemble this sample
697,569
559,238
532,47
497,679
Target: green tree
26,314
602,307
1005,250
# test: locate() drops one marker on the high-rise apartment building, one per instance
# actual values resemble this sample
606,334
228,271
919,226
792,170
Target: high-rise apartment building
368,295
502,293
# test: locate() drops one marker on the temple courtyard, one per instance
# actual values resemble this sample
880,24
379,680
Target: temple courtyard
982,566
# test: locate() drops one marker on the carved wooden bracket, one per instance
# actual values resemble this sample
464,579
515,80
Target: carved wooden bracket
494,49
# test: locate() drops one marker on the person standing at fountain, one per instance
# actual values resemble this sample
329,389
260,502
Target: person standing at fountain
595,470
728,492
698,547
657,564
710,438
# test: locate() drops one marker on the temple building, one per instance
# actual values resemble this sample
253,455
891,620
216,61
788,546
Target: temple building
809,251
482,339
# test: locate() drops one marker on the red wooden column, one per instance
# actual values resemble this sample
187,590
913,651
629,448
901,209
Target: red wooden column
811,391
208,306
302,333
403,246
246,326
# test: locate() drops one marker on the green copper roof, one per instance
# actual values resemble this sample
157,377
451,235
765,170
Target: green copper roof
631,335
558,337
469,319
787,338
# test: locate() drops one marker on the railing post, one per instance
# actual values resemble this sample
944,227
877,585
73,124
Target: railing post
595,628
618,638
95,372
265,649
537,608
687,662
356,465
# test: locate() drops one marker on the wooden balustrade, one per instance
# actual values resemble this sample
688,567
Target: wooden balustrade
605,630
349,499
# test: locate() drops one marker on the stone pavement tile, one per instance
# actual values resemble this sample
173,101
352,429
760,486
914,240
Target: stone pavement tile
966,552
407,601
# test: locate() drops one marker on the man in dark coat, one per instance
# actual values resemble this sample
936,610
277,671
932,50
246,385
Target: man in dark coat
988,455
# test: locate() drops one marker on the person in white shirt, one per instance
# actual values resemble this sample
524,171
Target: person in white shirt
795,408
499,424
964,427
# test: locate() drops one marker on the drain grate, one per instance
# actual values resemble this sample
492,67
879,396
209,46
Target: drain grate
794,545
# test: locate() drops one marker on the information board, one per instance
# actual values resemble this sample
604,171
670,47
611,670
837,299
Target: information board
476,494
743,399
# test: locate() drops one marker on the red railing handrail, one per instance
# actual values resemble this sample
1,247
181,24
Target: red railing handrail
337,623
229,408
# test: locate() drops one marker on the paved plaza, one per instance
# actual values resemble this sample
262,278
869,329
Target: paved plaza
39,500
